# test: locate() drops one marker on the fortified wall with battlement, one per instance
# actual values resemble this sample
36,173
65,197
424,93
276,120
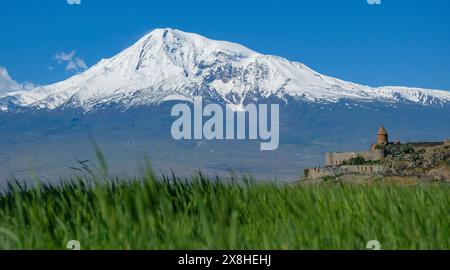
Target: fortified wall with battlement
338,158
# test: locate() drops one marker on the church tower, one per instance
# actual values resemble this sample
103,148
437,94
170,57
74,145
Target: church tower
382,136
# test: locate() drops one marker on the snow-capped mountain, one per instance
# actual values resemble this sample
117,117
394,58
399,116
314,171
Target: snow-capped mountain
49,126
170,64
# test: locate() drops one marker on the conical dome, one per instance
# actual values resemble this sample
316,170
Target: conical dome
382,131
382,136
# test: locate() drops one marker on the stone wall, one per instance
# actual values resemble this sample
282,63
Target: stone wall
337,158
318,173
363,169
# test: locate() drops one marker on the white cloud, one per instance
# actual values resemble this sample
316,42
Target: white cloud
7,84
62,56
73,63
374,2
74,2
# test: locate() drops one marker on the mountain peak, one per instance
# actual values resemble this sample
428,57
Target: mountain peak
174,38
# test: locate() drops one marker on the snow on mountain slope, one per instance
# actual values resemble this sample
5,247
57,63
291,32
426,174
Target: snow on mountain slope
170,64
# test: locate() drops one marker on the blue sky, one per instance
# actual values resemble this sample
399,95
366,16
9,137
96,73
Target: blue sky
397,42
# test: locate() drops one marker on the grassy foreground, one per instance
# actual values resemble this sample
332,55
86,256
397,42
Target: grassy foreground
202,213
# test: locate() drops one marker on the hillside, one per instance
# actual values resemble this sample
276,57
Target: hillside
431,163
402,164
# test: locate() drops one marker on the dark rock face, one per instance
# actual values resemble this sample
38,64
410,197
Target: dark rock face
432,162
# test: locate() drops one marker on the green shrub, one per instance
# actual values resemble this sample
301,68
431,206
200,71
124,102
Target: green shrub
306,172
398,151
407,148
358,160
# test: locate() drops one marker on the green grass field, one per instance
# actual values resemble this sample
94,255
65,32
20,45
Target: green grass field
201,213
